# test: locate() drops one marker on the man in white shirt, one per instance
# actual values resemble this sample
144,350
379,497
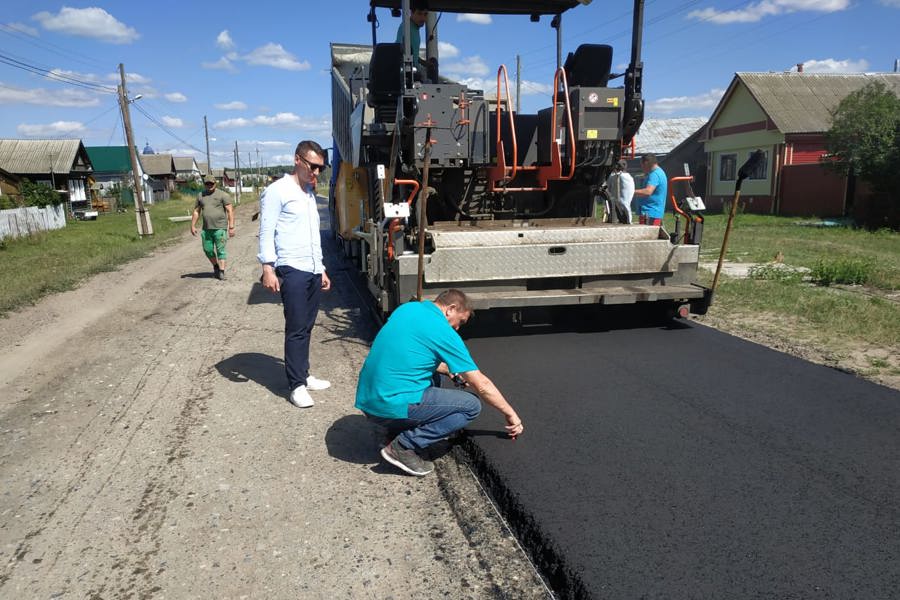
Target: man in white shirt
620,186
290,252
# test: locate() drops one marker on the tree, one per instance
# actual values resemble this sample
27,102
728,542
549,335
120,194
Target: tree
864,138
38,194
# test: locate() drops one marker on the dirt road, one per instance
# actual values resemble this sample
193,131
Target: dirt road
148,452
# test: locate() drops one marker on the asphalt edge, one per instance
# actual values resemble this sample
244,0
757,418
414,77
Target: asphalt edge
545,555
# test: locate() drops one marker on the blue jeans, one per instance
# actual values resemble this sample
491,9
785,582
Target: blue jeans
300,292
440,413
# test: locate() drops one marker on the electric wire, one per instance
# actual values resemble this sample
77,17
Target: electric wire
54,75
164,128
50,47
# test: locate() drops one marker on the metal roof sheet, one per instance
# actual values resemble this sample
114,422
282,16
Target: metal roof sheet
184,163
158,164
661,136
109,159
803,102
29,157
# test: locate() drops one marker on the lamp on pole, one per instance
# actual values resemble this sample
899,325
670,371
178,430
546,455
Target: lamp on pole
145,227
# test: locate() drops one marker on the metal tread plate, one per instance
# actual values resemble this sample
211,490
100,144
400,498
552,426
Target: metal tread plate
495,263
521,236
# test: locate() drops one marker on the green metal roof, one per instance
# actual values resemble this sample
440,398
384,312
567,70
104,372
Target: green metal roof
109,159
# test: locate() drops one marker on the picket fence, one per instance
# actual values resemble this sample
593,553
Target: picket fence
17,222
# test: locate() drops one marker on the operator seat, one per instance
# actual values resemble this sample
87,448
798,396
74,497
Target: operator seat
385,80
589,65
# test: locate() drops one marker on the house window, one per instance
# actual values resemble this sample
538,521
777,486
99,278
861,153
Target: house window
762,169
727,167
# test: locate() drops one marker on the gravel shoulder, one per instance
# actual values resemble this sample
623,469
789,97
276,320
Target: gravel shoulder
148,451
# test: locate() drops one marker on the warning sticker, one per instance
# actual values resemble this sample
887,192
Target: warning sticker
591,134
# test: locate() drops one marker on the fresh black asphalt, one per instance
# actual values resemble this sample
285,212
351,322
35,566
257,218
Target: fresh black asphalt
680,462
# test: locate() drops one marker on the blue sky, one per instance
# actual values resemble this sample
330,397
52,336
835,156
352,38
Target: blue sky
260,72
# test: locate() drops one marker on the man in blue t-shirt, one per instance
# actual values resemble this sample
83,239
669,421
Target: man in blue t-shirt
652,197
396,390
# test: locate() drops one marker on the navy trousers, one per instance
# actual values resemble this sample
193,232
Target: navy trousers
300,293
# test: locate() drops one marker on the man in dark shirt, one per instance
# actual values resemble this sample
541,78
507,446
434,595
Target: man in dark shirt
218,223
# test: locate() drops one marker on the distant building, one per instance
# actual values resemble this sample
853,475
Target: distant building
786,115
113,182
160,168
675,143
186,169
63,165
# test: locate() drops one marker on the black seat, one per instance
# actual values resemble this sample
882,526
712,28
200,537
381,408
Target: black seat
385,75
589,65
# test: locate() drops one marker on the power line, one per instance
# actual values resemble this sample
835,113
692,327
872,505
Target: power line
45,45
53,75
156,122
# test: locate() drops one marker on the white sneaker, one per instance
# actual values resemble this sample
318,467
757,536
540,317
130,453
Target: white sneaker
301,398
316,384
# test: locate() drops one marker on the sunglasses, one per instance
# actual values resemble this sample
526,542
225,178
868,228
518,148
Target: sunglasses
313,166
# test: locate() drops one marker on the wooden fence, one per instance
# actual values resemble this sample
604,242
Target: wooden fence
17,222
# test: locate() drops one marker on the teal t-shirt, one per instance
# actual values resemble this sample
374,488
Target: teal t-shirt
403,359
415,39
654,205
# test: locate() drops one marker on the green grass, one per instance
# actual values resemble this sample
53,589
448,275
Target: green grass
55,261
835,315
833,255
758,238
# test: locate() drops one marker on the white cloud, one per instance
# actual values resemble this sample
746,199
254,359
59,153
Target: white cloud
766,8
701,103
175,97
530,88
90,22
447,50
830,65
320,125
282,159
56,129
478,19
470,66
224,41
274,55
130,77
234,105
222,64
23,28
272,144
233,123
42,97
174,122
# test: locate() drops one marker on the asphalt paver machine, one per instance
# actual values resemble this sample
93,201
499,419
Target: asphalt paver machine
437,185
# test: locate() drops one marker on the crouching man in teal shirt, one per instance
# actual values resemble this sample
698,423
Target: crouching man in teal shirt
396,388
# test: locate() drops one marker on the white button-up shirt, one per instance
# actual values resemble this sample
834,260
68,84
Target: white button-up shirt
289,227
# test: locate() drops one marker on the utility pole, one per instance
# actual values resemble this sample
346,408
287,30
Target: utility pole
237,174
208,163
518,84
145,227
258,173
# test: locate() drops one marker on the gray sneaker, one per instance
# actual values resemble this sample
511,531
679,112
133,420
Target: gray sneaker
406,460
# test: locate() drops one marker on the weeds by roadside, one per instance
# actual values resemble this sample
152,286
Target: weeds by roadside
54,261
